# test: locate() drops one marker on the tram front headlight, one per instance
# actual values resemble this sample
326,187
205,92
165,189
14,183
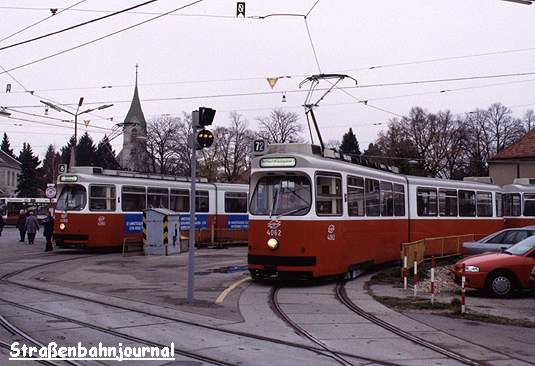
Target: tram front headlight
62,226
273,243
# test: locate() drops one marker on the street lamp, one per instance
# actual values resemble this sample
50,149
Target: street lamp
75,114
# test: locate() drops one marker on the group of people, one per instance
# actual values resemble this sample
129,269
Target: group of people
28,224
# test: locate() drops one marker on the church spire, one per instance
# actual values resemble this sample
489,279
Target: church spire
135,113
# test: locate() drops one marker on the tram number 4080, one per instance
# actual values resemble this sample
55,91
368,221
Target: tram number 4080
273,232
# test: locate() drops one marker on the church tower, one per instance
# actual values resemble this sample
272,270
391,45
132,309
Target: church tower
134,154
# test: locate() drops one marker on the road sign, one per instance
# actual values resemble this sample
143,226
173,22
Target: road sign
50,192
62,168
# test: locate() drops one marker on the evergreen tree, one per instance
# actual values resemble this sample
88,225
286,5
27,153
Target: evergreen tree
85,151
29,179
50,165
5,147
105,156
66,151
350,145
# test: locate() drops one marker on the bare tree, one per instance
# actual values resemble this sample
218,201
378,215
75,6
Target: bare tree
505,129
280,127
235,146
529,119
161,138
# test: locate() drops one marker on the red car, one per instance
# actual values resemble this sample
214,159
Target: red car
499,273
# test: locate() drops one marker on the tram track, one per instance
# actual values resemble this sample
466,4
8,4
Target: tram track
15,331
139,340
341,295
339,357
6,279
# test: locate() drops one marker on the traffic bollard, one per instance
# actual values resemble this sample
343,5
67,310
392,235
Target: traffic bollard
415,279
463,279
405,269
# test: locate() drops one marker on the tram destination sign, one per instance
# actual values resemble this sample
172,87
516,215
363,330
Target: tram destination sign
68,178
277,162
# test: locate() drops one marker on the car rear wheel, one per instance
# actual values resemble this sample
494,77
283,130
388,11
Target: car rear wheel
500,284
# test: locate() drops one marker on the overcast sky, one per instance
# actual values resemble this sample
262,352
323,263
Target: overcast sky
204,50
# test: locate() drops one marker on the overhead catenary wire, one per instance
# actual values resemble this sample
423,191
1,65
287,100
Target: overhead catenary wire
40,21
101,37
76,25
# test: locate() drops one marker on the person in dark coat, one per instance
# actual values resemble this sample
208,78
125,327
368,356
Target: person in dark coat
32,227
48,231
1,224
21,225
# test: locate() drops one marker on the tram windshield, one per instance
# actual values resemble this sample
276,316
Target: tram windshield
281,196
72,198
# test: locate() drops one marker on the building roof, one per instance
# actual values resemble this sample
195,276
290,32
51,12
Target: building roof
135,113
522,149
8,160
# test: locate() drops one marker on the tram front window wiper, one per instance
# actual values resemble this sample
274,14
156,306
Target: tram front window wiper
291,212
275,201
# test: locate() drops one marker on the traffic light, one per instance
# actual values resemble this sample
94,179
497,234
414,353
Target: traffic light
206,116
205,138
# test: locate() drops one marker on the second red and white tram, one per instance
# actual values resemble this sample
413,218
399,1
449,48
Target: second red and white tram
312,216
101,208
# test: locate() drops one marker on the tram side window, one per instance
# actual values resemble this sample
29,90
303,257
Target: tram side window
157,197
467,203
387,199
133,198
511,204
447,202
426,201
355,196
373,199
328,195
179,200
484,204
102,198
399,200
201,201
499,202
235,202
529,204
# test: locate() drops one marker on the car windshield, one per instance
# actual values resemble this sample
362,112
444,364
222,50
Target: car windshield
72,198
281,196
522,247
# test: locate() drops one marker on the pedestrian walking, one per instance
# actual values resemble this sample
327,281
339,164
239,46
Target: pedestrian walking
21,225
32,227
48,231
1,225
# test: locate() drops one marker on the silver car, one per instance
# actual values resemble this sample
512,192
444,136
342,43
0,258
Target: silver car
498,241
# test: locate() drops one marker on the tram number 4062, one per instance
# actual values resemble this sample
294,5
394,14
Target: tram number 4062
273,232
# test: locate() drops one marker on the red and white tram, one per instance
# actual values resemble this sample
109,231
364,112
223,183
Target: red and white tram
519,202
311,216
101,208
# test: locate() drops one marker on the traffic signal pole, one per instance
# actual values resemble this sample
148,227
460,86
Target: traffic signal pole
199,119
192,209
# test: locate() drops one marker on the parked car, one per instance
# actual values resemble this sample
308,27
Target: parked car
499,273
498,241
532,281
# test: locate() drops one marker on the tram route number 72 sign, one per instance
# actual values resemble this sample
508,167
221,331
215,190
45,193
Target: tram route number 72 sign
259,147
